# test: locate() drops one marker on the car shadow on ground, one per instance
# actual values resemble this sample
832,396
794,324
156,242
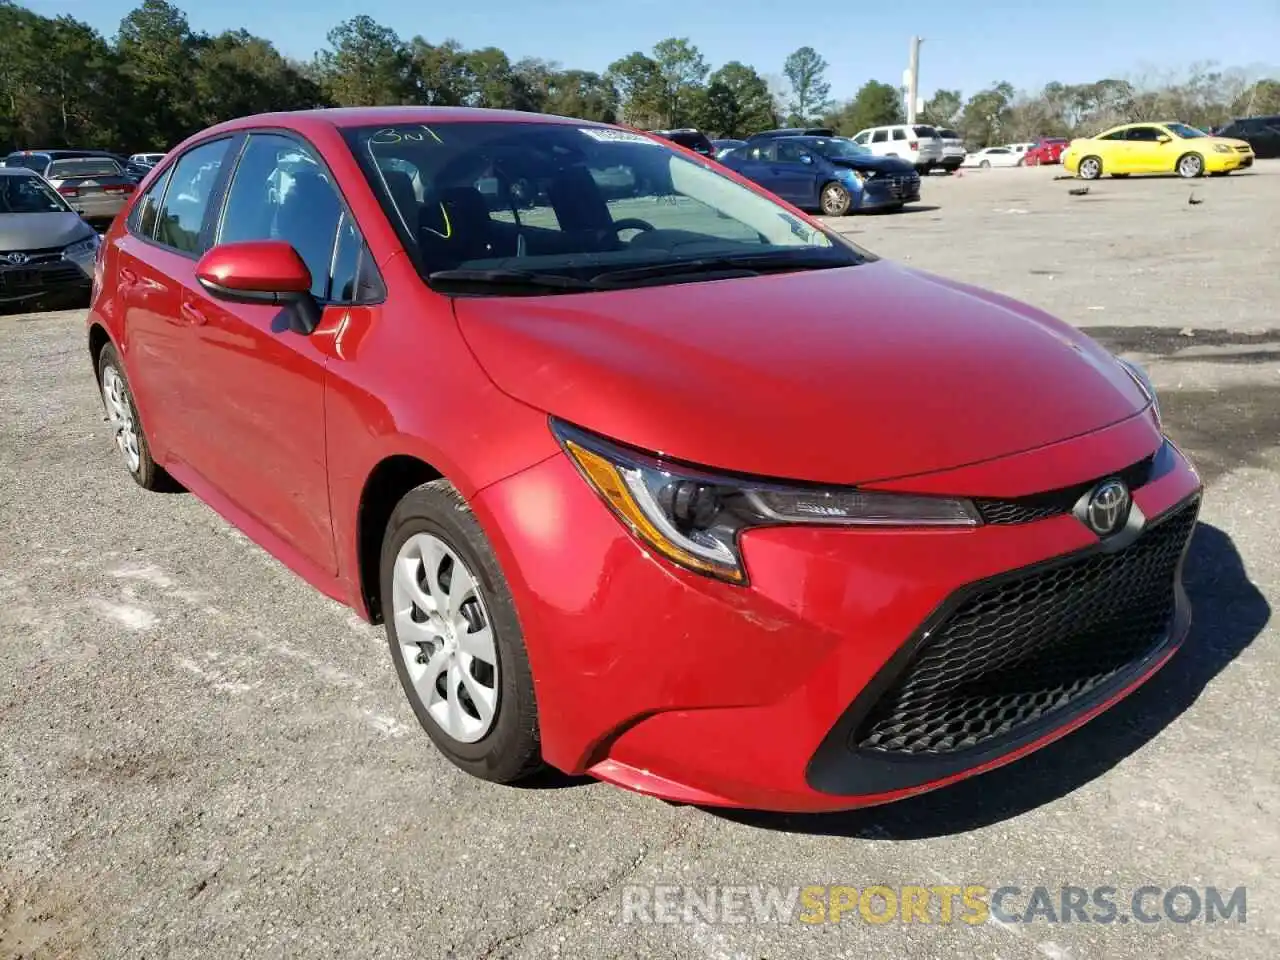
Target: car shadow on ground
1228,613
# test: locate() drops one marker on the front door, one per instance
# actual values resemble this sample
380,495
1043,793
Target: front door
265,426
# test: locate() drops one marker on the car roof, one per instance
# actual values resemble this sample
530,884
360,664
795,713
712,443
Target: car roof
17,172
344,117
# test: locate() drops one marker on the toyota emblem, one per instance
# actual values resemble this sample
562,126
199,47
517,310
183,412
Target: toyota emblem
1108,507
17,259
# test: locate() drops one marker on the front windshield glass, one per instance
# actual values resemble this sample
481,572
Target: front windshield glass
841,149
28,194
1185,132
569,201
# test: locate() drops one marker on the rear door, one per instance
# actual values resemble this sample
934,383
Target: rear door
264,426
795,173
156,257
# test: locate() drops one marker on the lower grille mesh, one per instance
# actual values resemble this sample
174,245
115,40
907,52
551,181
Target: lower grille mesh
1031,645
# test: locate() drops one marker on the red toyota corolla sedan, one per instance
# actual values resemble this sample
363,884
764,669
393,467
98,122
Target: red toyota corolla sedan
648,474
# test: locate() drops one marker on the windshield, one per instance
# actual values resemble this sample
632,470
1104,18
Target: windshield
841,149
1185,132
566,201
90,167
27,194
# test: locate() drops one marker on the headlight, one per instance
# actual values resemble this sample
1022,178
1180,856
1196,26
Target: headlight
694,518
1222,148
82,248
856,176
1144,384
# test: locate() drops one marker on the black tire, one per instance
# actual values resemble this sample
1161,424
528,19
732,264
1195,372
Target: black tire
148,474
834,199
1118,176
1090,168
1189,166
510,750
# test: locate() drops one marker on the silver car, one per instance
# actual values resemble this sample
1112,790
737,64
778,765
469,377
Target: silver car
97,188
47,251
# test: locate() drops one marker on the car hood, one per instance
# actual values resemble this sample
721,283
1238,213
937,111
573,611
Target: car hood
872,163
837,376
38,231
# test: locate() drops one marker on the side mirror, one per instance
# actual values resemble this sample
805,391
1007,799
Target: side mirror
264,272
805,158
1164,138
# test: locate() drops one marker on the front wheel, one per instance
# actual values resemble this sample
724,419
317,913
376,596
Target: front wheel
454,636
1190,166
1090,168
836,200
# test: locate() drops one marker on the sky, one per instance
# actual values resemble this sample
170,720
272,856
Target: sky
968,45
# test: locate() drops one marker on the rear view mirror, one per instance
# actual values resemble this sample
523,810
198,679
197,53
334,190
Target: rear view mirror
263,272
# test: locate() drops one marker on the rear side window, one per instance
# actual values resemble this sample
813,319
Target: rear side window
187,199
142,220
898,134
880,136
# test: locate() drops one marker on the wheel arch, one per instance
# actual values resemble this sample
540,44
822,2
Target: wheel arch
98,339
386,485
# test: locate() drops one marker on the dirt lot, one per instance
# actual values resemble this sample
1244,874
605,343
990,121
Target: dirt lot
201,757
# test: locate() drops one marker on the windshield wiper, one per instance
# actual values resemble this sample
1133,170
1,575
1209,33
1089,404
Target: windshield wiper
511,281
740,265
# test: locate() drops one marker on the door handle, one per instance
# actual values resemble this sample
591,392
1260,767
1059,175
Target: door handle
193,314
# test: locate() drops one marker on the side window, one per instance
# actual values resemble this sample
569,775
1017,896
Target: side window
880,136
281,192
862,138
187,198
789,152
764,152
899,133
355,278
1144,134
142,220
1116,135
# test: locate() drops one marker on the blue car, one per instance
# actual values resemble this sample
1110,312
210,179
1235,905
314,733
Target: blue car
724,146
831,174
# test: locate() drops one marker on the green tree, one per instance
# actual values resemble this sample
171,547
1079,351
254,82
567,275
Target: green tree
438,73
156,48
367,65
682,69
639,81
737,102
581,94
987,114
943,108
875,104
806,71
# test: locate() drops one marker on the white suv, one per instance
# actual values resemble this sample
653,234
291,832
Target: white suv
919,145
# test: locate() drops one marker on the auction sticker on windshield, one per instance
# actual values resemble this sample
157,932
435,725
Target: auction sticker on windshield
606,135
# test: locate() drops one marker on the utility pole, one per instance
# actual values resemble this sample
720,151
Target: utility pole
913,79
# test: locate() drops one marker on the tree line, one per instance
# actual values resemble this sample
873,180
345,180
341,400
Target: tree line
157,81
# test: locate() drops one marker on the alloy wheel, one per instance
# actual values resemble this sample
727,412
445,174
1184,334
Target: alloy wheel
120,415
445,637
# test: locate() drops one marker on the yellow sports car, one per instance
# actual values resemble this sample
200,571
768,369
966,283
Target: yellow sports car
1155,148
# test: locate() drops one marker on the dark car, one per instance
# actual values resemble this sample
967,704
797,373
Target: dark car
792,132
689,138
723,146
832,174
1261,133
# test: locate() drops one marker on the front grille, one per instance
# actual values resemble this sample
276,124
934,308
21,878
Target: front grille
1054,503
1025,647
34,257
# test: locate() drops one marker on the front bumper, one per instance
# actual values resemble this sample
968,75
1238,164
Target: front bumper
889,190
702,692
44,274
1215,162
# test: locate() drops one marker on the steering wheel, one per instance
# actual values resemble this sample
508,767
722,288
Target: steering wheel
632,223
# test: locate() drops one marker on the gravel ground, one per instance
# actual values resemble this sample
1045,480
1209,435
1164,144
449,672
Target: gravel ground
204,758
